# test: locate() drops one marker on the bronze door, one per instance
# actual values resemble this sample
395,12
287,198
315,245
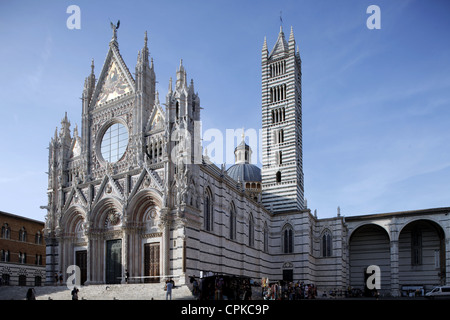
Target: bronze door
81,262
151,262
114,261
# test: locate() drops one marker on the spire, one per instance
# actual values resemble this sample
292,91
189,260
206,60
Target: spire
292,41
92,67
281,46
65,126
157,97
264,48
191,86
145,52
181,76
170,85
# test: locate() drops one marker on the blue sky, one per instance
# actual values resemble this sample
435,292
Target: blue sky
376,103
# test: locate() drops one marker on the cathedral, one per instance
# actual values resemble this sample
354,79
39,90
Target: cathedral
131,191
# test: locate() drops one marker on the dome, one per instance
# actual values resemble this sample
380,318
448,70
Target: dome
245,172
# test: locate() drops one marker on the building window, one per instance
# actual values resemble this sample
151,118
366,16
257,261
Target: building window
416,247
280,158
251,231
278,93
288,241
232,224
4,256
22,234
266,238
278,115
22,258
114,142
326,244
38,259
38,238
6,231
278,177
208,212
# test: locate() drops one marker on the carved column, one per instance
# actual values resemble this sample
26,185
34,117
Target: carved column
124,253
164,226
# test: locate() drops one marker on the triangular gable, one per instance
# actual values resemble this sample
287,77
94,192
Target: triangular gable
75,147
156,119
115,80
108,187
147,179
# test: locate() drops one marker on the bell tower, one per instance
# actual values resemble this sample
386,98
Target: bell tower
282,159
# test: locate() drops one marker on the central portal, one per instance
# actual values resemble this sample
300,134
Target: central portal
151,262
113,261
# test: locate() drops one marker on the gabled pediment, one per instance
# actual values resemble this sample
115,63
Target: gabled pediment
109,188
115,80
156,119
75,149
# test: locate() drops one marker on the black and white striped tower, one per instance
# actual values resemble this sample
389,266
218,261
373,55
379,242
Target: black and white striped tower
282,158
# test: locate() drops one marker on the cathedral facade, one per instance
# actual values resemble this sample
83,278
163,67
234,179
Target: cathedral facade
131,191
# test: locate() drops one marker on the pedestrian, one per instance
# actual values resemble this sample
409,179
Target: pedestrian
169,287
75,293
219,288
60,278
196,288
127,275
31,294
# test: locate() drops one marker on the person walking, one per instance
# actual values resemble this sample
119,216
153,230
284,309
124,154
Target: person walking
31,294
169,286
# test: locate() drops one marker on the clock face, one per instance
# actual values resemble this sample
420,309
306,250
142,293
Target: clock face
114,142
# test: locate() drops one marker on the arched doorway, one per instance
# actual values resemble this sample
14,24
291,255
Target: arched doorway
421,254
74,242
369,245
106,238
144,237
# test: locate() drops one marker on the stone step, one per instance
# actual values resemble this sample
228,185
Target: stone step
147,291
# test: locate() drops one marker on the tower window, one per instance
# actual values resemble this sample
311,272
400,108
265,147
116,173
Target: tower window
277,68
278,93
278,177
